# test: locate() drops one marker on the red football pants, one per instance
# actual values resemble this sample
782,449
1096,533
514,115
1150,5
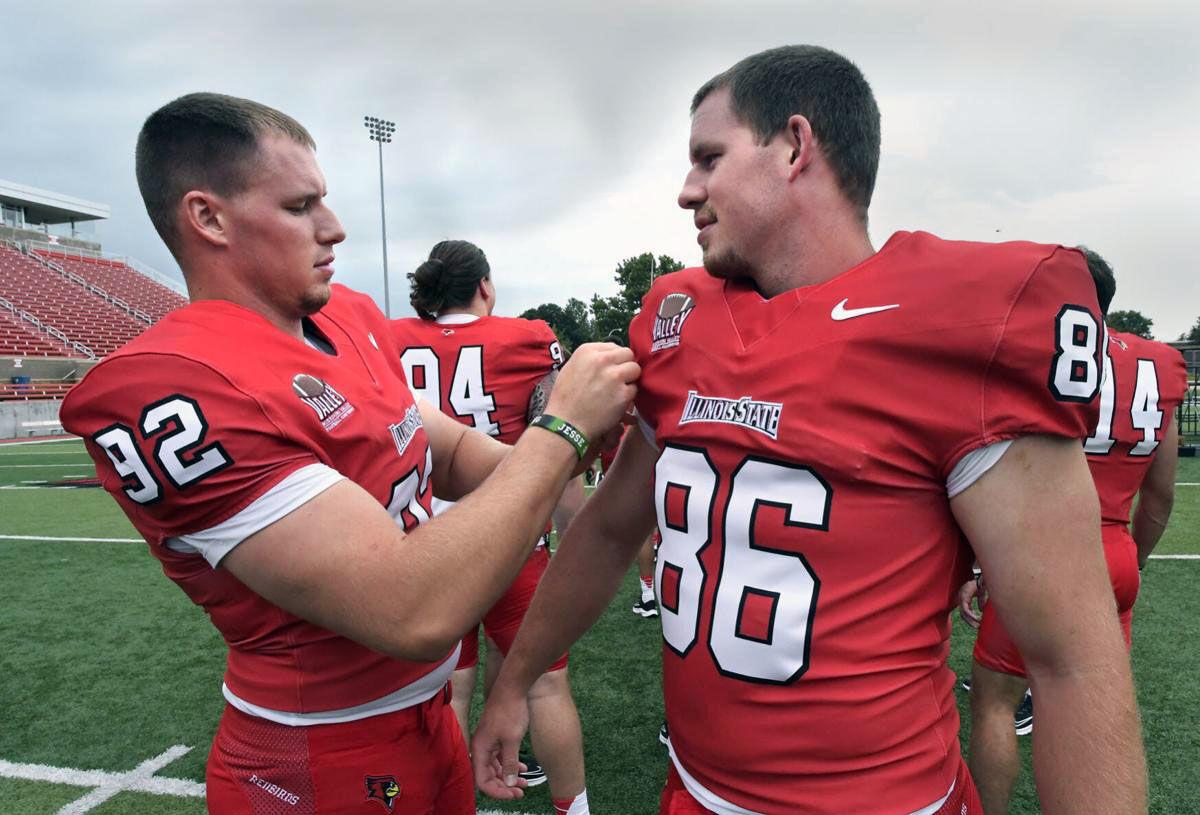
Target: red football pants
411,762
994,648
503,620
676,800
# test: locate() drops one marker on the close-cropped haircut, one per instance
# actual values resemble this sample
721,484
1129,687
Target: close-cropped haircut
202,141
1102,276
766,89
448,279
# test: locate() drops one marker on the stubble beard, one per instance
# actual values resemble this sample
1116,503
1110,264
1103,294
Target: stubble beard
728,265
314,298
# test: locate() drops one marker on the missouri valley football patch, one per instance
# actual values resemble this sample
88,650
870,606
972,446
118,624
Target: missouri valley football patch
329,405
673,312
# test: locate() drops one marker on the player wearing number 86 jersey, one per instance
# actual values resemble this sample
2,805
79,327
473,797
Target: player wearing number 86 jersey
809,556
824,424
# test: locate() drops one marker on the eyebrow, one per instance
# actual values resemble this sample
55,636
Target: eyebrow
701,148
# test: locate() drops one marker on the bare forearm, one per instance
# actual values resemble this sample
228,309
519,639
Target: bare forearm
476,548
1087,748
1149,523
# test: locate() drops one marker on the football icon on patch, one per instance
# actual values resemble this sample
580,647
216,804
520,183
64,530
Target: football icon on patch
384,789
673,310
329,405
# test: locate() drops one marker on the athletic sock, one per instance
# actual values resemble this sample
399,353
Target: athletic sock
572,806
647,587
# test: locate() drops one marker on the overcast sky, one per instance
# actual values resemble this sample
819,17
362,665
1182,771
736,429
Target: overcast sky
554,135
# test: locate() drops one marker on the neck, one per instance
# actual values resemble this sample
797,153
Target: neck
829,245
477,307
201,289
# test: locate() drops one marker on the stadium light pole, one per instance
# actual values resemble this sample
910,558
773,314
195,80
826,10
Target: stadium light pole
380,131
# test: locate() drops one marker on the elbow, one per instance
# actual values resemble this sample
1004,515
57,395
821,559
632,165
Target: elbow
426,641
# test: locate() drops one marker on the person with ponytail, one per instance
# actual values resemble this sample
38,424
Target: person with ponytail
495,374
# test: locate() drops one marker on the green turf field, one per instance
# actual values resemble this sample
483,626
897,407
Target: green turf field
105,665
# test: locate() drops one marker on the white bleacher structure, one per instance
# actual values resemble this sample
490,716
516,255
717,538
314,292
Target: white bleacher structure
61,297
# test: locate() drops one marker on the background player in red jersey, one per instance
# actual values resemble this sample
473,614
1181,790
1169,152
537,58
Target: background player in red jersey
825,424
265,443
494,374
1133,452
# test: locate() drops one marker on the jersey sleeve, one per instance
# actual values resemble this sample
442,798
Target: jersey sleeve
549,344
1043,368
179,446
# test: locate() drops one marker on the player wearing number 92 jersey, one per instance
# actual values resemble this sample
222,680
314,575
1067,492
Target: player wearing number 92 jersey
809,447
232,413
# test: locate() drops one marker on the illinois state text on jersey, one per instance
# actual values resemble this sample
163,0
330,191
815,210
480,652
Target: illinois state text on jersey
809,555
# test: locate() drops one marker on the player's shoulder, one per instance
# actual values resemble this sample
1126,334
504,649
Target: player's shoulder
407,328
519,328
1167,358
201,346
976,262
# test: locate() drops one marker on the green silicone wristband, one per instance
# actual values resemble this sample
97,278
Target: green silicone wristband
565,429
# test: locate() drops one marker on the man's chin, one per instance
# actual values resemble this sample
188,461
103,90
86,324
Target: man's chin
315,298
727,266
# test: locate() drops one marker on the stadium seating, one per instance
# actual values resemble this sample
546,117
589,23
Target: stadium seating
121,281
17,340
83,316
37,389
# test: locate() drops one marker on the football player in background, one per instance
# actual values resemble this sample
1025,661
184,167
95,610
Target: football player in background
494,374
1133,452
264,441
825,424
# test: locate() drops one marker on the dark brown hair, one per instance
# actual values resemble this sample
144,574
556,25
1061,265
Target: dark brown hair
448,279
766,89
202,141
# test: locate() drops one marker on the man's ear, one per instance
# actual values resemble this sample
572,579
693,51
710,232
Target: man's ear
202,214
798,138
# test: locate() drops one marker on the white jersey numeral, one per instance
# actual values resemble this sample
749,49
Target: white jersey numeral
1075,371
180,452
404,505
1144,414
421,366
751,573
468,394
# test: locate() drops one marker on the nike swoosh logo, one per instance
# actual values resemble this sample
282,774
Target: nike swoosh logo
840,312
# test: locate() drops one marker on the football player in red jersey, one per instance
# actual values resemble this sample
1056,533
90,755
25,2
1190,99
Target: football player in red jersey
493,374
1133,452
826,424
265,443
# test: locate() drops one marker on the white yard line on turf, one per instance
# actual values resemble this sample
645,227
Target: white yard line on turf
74,540
38,441
106,785
140,779
75,463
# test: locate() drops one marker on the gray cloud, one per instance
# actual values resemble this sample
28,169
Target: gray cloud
554,134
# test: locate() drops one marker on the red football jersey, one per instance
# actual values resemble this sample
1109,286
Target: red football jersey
480,372
809,556
1143,385
210,409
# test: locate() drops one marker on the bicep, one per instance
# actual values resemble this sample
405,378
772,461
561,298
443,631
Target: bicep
1034,522
313,563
